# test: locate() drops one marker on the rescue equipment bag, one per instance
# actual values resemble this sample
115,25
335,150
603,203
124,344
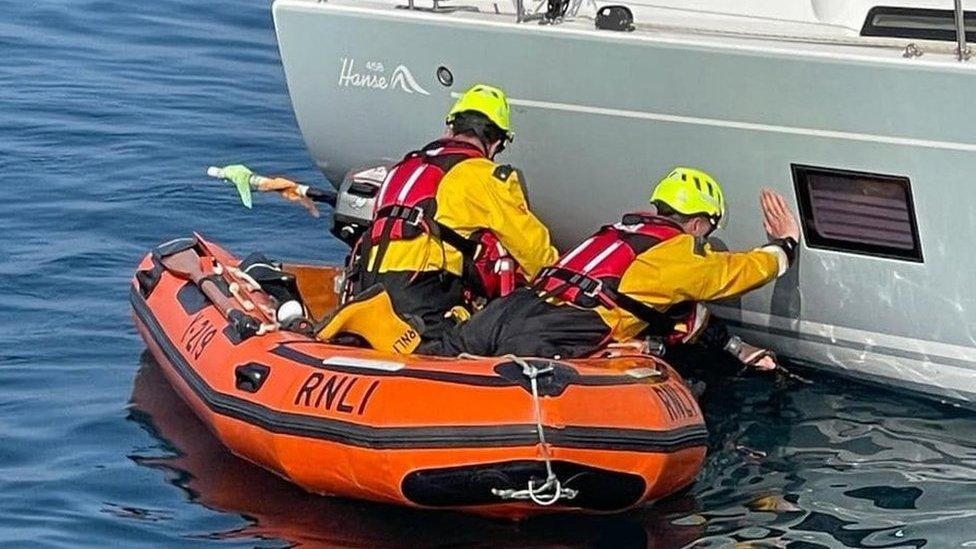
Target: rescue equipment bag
588,275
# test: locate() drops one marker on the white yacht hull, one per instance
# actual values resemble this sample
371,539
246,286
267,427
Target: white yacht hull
599,114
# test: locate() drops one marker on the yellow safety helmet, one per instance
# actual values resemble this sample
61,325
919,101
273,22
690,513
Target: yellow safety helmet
689,191
487,100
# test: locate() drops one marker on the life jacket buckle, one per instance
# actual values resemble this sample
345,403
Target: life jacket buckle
411,215
595,290
416,217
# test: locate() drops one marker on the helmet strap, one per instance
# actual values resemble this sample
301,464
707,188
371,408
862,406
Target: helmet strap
486,143
499,148
480,130
713,222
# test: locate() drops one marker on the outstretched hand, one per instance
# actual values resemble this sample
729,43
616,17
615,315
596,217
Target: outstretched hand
778,219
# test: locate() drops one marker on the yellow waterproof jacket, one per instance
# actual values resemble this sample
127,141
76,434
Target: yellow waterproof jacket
682,269
476,194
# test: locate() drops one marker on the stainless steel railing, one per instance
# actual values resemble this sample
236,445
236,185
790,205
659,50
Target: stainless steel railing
964,52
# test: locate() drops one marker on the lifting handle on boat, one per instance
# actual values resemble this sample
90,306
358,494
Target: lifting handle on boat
964,52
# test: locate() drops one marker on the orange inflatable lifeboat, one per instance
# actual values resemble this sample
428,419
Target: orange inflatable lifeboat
496,436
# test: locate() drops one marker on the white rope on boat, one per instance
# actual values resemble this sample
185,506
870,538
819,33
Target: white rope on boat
248,279
552,490
235,290
267,328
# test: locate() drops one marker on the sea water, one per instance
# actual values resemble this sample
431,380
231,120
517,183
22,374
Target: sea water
110,113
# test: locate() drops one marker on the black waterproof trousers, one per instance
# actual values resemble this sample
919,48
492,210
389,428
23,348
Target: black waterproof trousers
526,325
522,324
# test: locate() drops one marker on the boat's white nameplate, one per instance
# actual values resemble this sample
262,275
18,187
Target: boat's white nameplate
373,76
365,363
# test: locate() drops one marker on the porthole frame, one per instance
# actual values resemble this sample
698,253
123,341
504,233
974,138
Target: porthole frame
813,238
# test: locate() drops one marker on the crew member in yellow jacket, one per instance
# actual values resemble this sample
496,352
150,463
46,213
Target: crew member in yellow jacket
451,227
646,275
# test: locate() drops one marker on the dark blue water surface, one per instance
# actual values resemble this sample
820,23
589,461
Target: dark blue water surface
109,113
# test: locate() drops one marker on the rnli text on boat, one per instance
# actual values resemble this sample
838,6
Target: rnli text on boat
337,392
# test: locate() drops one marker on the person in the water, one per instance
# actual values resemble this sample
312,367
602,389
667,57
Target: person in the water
443,218
647,275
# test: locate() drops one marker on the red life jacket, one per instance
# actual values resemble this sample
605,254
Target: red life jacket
407,201
406,206
589,274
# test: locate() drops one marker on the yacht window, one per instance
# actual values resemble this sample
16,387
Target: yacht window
923,24
865,213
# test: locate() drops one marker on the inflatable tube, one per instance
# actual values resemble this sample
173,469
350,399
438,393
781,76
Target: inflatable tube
463,434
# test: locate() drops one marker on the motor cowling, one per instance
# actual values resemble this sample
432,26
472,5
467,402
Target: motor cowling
355,200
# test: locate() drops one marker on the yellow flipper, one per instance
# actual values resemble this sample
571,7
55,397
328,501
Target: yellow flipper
370,315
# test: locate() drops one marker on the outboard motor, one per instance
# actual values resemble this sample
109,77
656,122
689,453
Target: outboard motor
354,202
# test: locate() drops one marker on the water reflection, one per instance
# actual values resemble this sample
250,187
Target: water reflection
834,464
823,465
